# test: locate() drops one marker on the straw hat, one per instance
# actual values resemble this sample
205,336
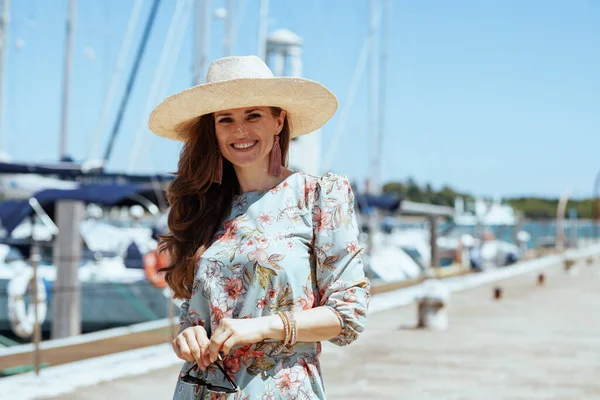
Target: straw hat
235,82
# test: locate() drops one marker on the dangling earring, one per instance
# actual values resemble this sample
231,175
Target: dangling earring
275,161
218,176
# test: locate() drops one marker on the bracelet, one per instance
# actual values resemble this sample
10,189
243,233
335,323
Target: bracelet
286,327
293,328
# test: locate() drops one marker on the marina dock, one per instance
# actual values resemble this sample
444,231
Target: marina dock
536,342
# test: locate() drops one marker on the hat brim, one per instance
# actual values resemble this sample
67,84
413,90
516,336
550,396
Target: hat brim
309,104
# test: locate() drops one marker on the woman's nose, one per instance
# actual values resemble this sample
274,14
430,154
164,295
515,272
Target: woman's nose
240,130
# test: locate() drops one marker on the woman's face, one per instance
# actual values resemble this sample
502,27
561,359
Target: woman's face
245,135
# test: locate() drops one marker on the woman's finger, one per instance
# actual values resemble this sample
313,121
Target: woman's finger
203,344
175,346
194,347
228,345
184,350
216,343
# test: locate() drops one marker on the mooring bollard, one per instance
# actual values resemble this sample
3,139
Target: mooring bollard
570,266
497,293
432,306
541,279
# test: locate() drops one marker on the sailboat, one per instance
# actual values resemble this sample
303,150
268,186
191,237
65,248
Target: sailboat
117,282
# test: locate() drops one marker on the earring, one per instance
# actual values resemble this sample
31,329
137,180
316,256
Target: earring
218,175
275,160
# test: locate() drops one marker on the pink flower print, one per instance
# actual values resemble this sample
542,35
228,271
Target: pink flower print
264,219
309,189
350,295
308,302
230,231
218,310
233,288
259,255
351,247
272,293
322,219
261,239
233,364
286,185
261,303
290,244
288,381
303,303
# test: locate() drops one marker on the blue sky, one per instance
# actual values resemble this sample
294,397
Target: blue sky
490,97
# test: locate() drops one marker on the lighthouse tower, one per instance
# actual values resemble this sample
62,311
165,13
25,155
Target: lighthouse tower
284,56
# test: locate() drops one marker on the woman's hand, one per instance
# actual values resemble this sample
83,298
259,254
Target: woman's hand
192,345
232,332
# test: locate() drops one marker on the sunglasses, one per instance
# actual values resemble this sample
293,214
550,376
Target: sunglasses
192,380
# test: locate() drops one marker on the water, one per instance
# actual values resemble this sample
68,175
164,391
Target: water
541,231
544,231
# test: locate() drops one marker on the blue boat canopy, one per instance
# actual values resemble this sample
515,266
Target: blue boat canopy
13,212
385,202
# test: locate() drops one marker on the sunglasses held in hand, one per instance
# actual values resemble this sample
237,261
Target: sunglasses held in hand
192,380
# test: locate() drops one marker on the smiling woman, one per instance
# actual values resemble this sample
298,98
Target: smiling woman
266,259
246,138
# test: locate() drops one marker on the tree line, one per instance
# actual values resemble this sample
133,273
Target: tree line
529,207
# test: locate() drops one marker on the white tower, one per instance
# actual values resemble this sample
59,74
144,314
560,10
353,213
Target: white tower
284,55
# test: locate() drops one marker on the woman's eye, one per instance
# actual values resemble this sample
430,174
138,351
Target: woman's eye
225,120
253,116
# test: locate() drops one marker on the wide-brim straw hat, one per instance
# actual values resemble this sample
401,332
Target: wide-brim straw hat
236,82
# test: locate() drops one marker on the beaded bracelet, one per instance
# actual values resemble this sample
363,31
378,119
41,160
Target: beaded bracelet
286,327
293,328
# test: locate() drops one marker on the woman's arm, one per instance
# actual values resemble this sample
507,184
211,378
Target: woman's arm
314,325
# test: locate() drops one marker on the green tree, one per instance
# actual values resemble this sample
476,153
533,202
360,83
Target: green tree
413,191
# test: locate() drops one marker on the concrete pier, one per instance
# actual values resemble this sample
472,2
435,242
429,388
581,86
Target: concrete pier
537,342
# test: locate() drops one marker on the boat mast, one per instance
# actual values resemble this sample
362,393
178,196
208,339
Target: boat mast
201,40
116,75
66,79
373,186
3,51
229,29
132,76
263,28
382,92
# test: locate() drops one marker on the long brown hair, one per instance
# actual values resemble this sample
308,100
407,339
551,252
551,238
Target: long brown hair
199,206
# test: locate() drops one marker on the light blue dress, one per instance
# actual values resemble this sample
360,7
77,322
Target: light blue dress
293,247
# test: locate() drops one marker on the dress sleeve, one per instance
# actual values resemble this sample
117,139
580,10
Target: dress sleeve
340,275
184,320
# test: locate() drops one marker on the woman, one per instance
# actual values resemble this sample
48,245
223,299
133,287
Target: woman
266,259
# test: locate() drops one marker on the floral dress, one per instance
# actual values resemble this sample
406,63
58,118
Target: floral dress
293,247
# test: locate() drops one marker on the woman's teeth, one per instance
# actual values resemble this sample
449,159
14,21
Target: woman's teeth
242,146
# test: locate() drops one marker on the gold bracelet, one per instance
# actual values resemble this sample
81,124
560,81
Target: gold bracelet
293,328
286,327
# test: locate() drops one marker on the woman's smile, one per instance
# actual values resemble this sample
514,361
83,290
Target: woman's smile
245,146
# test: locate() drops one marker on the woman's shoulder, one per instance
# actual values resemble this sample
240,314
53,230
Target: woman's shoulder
329,185
327,178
